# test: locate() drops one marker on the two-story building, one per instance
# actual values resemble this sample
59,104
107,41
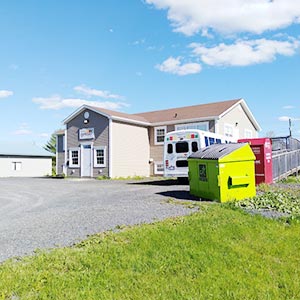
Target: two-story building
98,141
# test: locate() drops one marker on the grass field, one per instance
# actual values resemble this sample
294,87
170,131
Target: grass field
216,253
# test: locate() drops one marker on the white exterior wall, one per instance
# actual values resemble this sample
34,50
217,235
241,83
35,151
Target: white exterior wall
30,167
130,150
236,115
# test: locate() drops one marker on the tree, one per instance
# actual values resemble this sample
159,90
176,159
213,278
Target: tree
51,144
51,147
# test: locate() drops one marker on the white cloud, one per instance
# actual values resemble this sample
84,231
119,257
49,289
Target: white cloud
85,90
174,66
231,16
245,52
288,107
56,102
5,93
286,119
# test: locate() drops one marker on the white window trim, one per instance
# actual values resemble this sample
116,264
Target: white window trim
248,133
104,157
232,129
71,165
155,134
156,171
192,126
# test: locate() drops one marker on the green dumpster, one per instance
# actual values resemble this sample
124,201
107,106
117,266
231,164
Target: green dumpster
222,172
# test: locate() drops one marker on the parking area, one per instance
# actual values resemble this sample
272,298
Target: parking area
41,213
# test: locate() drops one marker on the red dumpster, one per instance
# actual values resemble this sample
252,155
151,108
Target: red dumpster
262,149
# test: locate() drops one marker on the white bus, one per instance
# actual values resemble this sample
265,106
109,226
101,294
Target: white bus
180,144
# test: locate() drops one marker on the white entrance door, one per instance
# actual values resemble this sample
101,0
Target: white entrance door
86,163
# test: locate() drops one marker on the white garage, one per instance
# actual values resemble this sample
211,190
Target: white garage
24,160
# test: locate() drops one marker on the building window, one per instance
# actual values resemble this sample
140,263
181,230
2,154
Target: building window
100,157
74,158
228,130
199,125
248,134
16,166
158,168
159,135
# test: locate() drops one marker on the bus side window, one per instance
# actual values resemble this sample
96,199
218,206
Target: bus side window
211,140
194,146
206,141
170,148
218,141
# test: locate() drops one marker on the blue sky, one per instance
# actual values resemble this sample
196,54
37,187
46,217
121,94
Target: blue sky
136,56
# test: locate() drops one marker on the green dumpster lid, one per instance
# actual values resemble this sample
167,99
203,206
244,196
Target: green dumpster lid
217,151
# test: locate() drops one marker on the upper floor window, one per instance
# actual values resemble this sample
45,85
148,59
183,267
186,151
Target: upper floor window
159,135
248,134
228,130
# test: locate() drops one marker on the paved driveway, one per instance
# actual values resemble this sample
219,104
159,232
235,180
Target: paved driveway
45,213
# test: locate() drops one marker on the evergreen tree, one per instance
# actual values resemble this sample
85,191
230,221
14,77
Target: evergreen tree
51,147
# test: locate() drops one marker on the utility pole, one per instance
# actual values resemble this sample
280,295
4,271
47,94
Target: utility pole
290,127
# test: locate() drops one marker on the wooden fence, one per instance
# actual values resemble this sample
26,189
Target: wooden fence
285,163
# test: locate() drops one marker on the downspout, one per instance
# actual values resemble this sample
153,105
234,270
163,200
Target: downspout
66,151
56,156
110,173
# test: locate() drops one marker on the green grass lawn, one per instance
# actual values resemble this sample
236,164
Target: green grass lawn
216,253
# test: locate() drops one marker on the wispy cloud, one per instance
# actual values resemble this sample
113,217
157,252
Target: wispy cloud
23,129
5,93
14,67
245,52
288,107
287,118
257,16
175,66
56,102
87,91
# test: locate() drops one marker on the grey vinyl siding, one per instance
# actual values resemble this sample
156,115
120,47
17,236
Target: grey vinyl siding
60,162
60,154
101,130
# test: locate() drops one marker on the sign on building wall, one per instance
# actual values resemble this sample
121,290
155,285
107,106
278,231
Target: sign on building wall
86,133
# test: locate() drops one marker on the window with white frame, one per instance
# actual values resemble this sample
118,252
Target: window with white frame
100,156
228,130
16,166
248,134
74,159
199,125
158,168
159,135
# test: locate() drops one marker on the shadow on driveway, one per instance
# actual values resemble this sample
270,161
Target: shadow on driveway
180,195
160,182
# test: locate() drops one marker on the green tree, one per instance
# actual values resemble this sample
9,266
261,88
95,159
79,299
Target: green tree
51,147
51,144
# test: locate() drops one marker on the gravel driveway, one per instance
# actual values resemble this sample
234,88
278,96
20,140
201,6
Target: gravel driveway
45,213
